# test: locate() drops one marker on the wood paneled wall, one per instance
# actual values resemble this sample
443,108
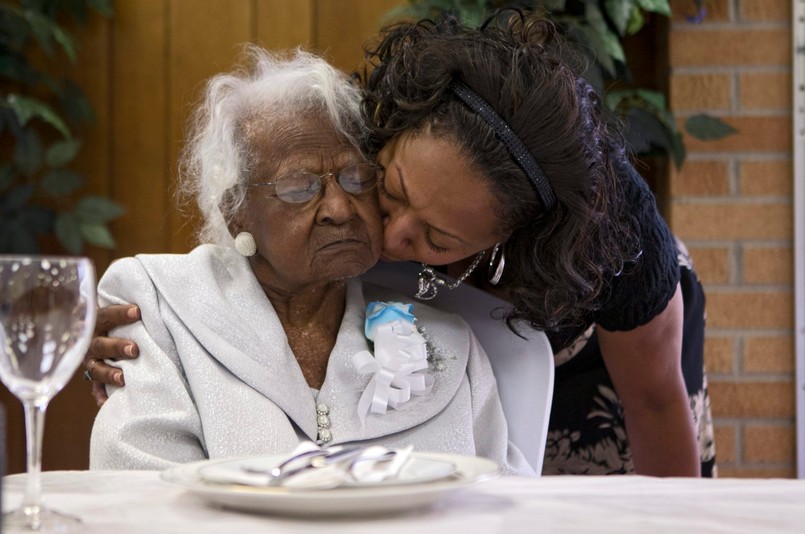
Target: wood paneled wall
142,71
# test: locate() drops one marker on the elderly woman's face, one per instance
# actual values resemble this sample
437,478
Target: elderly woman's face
335,234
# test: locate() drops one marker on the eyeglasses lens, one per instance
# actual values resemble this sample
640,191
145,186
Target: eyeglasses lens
299,186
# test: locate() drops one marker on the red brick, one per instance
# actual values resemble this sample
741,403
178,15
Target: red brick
772,355
769,444
732,221
726,437
700,178
765,90
712,264
732,46
752,399
765,10
767,178
770,309
719,355
757,472
768,265
755,134
700,91
717,11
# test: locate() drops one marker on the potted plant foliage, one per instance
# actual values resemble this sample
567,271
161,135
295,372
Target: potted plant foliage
598,28
40,195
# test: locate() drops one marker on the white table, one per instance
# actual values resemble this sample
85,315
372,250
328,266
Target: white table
138,502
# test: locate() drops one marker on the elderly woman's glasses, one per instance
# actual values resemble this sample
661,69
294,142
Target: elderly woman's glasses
296,187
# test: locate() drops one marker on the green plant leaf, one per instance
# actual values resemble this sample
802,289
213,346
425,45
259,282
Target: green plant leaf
16,237
28,152
6,176
42,28
18,197
104,7
620,13
37,218
60,182
553,5
97,234
62,152
66,42
68,232
27,108
96,210
656,6
636,21
75,105
708,128
610,43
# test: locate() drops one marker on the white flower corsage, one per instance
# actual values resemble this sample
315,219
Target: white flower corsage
400,351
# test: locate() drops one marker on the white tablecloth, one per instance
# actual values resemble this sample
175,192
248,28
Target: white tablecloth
139,502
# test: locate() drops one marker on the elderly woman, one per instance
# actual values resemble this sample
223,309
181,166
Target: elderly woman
253,343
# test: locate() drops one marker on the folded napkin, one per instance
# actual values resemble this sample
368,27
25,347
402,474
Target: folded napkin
334,467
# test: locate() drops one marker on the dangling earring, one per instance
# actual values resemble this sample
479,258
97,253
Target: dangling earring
496,271
245,244
429,280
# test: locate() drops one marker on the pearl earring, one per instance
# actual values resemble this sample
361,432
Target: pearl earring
245,244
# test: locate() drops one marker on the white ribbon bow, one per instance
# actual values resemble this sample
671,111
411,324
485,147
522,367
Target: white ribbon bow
399,353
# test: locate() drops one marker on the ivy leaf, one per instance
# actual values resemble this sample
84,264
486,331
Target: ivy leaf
27,108
68,232
6,176
66,42
37,218
28,153
62,152
59,183
96,210
656,6
609,41
620,13
75,105
18,197
104,7
97,234
708,128
636,21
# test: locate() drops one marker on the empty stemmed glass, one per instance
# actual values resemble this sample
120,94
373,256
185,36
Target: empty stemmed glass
47,315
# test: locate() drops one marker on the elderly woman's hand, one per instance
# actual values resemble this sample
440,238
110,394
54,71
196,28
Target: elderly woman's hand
103,347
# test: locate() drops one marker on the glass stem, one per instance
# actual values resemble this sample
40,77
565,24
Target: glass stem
34,428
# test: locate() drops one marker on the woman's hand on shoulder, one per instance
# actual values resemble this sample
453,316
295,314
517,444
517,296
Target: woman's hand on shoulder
103,348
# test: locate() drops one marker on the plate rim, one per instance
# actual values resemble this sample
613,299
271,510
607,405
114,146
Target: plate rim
469,471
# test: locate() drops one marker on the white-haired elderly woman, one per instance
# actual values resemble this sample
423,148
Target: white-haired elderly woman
257,340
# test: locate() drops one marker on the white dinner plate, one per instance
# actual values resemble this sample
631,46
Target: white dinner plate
354,500
416,470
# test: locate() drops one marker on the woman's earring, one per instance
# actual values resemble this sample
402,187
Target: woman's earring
496,265
245,244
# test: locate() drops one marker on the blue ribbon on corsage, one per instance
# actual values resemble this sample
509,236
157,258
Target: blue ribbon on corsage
400,352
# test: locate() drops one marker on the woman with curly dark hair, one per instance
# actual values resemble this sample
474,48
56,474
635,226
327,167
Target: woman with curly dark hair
492,146
490,140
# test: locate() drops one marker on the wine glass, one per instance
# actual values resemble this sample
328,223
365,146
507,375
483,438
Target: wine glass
47,316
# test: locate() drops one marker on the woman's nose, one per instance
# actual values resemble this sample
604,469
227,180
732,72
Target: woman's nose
397,233
335,205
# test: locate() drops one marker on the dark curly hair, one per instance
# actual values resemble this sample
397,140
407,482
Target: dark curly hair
558,262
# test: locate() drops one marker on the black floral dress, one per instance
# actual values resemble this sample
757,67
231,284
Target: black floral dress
587,433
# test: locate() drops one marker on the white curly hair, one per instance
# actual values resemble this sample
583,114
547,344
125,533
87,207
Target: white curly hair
274,88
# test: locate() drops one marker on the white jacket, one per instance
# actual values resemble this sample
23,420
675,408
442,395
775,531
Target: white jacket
217,378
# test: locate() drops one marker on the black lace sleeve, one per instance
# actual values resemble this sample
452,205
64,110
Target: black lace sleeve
645,287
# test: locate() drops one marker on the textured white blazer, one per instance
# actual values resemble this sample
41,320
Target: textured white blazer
217,378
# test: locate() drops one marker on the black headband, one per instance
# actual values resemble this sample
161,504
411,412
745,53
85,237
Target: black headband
516,148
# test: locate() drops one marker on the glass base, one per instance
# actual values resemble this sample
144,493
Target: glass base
39,519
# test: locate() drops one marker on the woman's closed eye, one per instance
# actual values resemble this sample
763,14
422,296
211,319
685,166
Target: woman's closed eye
433,246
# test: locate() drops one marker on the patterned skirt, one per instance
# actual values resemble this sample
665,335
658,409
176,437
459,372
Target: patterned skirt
587,434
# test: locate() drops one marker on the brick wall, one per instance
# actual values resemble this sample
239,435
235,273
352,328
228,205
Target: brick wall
732,203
